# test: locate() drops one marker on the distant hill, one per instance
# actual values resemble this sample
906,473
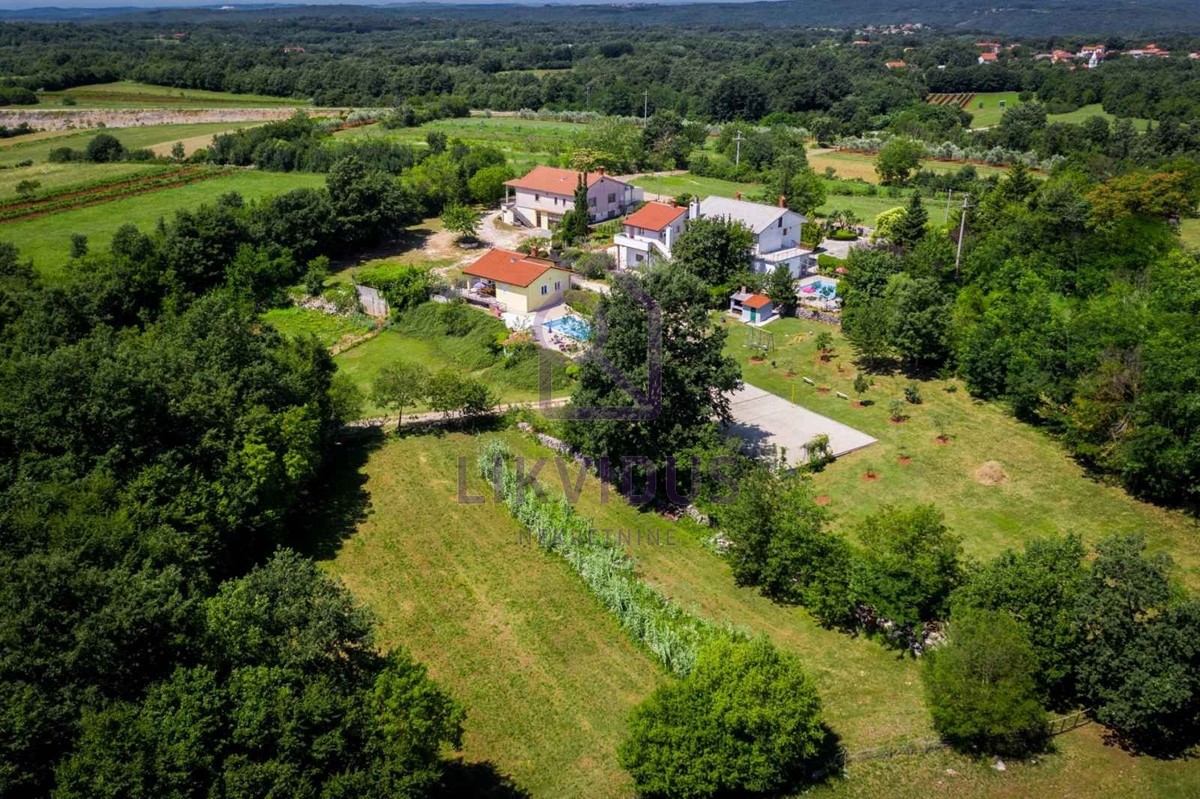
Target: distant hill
1020,17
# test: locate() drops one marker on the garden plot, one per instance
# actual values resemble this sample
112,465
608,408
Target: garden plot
763,420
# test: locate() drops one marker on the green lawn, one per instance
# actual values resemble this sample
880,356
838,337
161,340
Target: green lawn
526,142
991,111
862,165
37,148
46,239
131,94
1045,491
363,362
1084,113
674,185
60,177
328,328
547,676
1189,233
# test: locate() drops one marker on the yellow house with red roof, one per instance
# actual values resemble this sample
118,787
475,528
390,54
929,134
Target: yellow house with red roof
515,282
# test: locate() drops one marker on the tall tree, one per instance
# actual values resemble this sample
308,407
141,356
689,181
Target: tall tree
911,227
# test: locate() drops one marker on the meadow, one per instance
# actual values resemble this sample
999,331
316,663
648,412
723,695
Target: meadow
526,142
47,239
1042,491
61,177
991,111
329,329
450,581
363,362
547,676
37,147
131,94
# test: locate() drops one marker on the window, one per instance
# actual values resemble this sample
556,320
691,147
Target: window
537,198
545,289
780,222
591,202
785,230
612,198
558,285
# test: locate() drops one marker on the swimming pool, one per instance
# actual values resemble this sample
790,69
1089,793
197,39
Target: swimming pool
821,286
573,326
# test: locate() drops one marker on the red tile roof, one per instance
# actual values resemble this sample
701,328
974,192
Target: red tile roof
756,301
552,180
655,216
894,64
988,57
513,268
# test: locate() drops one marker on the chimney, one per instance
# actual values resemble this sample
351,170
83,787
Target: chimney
782,201
737,195
600,171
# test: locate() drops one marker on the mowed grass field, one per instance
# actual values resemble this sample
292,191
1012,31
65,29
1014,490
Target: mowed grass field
131,94
37,147
547,676
862,165
991,111
363,363
61,177
526,142
47,239
1044,491
329,329
866,207
548,679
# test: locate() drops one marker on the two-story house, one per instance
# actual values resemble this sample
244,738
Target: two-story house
776,231
649,232
540,198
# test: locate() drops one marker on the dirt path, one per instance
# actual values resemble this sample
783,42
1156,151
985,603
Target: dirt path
385,423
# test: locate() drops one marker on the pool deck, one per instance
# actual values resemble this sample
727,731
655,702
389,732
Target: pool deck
765,421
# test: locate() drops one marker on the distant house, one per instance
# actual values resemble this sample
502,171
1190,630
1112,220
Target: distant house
1061,57
776,231
293,48
989,47
540,198
895,64
988,58
516,283
651,230
751,308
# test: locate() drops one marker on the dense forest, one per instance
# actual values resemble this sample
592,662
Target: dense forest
713,73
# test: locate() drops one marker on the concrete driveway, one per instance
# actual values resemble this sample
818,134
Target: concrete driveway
763,420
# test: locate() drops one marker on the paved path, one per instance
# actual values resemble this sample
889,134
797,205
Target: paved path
763,420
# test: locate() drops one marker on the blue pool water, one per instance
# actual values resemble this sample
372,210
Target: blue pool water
572,326
822,287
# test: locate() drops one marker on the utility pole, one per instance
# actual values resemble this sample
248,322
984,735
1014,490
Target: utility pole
645,107
737,160
588,102
962,227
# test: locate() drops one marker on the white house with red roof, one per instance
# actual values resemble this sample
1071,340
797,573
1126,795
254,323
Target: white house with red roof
541,197
776,230
516,283
649,232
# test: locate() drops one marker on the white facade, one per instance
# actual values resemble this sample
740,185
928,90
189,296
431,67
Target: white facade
636,246
540,199
776,232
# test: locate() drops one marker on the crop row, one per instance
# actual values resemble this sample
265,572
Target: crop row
104,192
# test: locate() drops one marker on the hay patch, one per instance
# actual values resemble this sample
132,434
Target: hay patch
991,474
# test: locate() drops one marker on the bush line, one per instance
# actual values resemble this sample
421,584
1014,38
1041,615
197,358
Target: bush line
674,635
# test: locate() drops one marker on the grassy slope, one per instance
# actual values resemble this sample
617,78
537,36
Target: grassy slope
547,676
1189,232
363,362
991,112
1046,491
38,148
526,142
328,328
861,165
131,94
46,239
57,177
449,582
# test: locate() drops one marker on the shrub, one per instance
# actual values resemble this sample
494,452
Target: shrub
104,149
980,686
594,265
912,394
746,720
